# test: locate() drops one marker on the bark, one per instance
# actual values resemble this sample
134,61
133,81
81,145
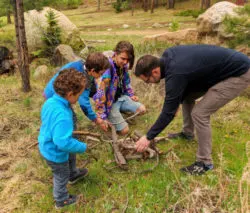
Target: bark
98,5
205,4
171,4
132,7
8,17
145,5
152,6
21,44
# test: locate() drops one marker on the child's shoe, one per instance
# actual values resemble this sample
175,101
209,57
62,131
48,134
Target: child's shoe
71,200
79,176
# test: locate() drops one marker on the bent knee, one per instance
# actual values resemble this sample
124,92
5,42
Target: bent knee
141,109
123,131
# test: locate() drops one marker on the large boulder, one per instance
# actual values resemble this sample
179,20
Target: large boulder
64,54
36,22
40,72
177,37
210,22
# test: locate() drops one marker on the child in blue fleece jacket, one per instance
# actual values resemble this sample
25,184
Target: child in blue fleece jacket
56,143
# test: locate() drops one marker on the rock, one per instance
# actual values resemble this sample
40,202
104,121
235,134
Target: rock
186,35
125,26
108,53
36,22
8,66
157,25
64,54
211,20
41,71
5,53
109,29
137,25
86,51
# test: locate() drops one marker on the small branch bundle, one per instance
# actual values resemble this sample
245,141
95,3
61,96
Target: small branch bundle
124,149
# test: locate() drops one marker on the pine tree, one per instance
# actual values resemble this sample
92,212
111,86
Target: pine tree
52,34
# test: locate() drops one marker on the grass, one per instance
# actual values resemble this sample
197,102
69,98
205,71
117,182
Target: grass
109,189
26,180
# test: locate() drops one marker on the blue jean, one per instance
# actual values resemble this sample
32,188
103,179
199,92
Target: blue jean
123,104
62,172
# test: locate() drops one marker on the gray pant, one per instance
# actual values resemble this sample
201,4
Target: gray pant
62,172
197,116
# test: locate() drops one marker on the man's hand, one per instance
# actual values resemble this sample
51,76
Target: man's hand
103,124
134,98
142,144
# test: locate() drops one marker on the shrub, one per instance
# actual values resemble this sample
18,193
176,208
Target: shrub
174,25
118,6
193,13
52,35
239,27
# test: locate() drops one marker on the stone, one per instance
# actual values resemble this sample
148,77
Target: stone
108,53
125,26
157,25
63,55
211,20
36,22
186,35
41,71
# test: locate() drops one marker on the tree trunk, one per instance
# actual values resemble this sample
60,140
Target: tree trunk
132,8
152,6
145,5
205,4
21,44
171,4
98,5
8,16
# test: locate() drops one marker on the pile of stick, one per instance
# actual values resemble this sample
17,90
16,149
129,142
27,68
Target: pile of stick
124,148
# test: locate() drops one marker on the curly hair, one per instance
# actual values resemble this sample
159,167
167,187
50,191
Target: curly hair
69,80
125,46
97,61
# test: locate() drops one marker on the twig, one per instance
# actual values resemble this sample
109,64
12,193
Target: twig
86,133
126,205
34,144
128,118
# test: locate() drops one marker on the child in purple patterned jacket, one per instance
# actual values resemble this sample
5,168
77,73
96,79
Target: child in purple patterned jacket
115,94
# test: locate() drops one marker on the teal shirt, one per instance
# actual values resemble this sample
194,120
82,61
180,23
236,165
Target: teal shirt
55,137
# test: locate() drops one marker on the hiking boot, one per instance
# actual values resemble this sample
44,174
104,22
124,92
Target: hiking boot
71,200
181,135
79,176
197,168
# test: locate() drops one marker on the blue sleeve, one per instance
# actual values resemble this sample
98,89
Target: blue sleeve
49,89
62,137
84,102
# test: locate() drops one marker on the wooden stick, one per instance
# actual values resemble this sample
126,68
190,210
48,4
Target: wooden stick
119,158
86,133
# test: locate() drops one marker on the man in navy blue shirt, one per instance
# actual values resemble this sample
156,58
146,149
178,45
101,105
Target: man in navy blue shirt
218,74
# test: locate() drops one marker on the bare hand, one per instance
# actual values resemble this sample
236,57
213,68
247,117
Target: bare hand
135,98
142,144
103,124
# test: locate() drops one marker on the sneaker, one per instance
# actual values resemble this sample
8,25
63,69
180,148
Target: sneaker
197,168
181,135
71,200
79,176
